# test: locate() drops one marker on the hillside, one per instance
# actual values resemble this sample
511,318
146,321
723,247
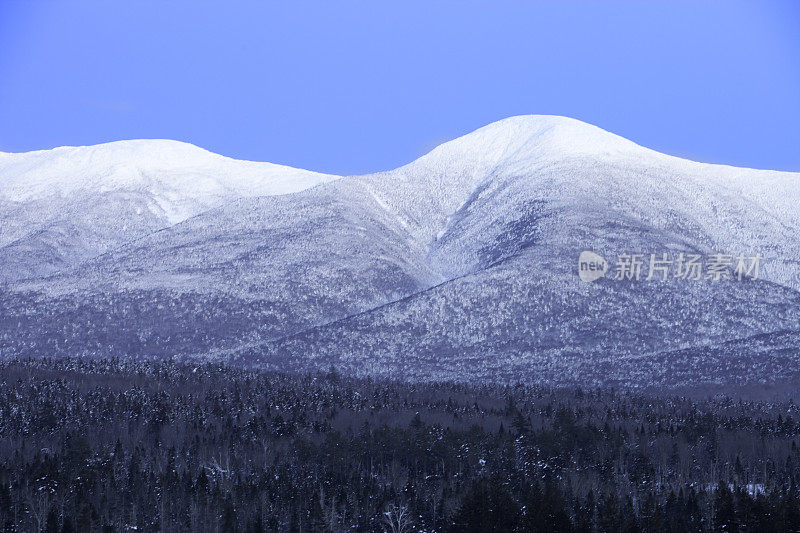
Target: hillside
459,265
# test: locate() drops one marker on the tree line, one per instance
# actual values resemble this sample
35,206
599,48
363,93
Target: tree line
116,445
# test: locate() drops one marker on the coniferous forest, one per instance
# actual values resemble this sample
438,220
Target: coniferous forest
130,446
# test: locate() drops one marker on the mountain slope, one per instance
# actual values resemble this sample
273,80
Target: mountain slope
461,264
66,205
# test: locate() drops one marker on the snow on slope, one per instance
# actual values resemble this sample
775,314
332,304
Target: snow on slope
64,206
463,259
182,178
504,213
581,170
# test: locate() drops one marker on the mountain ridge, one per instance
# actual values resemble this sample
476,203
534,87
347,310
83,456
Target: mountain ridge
543,123
460,264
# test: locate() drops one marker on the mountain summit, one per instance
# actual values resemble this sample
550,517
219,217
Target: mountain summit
459,265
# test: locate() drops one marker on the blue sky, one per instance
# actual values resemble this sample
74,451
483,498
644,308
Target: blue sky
354,87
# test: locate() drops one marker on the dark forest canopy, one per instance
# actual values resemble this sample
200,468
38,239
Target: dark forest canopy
122,446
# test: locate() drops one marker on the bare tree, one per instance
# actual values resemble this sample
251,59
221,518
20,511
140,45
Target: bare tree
397,519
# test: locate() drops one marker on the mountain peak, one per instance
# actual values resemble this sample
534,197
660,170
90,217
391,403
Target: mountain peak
161,167
460,265
140,151
535,136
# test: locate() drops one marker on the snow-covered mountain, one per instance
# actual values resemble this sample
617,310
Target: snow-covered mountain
461,264
63,206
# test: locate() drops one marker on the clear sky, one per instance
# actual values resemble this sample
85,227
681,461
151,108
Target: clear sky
354,87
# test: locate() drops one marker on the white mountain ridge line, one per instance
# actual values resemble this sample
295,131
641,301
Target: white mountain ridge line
461,264
127,163
180,181
173,173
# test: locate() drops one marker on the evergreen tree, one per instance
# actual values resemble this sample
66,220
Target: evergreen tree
51,525
487,507
228,519
609,514
724,509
